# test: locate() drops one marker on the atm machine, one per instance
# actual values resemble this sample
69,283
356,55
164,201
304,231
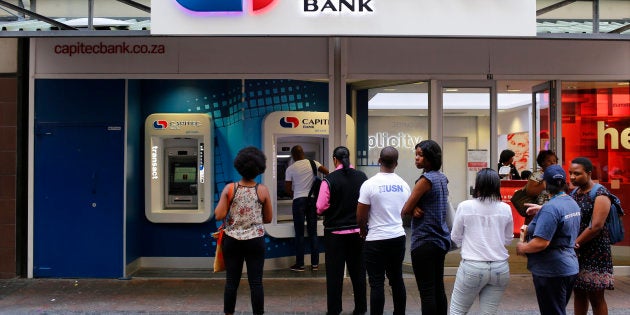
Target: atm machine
281,131
177,154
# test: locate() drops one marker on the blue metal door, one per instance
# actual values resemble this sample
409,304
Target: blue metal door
78,201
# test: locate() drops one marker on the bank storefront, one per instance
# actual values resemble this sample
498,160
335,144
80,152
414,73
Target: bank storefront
476,90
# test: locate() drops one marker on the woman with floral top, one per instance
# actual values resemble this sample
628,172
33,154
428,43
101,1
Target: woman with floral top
247,206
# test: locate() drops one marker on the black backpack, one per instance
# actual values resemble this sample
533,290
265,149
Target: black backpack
313,193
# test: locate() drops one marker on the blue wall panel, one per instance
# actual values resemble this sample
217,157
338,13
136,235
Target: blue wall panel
78,188
80,101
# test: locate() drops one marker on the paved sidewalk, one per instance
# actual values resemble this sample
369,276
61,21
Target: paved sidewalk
283,295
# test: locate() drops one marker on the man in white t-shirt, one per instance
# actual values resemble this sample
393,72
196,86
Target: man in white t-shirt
298,181
381,200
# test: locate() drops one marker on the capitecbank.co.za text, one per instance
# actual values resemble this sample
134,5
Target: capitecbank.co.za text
80,48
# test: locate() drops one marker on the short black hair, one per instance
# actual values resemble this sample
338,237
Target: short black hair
250,162
389,157
488,185
506,155
432,152
525,174
542,155
585,162
297,152
556,187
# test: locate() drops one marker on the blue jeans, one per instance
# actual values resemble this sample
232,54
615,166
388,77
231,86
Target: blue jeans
487,279
385,257
301,210
428,267
252,252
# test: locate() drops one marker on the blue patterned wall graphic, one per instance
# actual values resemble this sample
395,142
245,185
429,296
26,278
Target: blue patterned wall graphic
238,108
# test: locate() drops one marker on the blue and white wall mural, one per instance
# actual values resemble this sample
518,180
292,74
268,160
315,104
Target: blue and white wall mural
237,108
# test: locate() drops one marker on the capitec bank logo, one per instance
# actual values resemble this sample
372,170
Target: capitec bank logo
289,122
210,6
160,124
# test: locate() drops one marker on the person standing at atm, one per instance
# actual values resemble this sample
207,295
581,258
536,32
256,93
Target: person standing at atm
298,181
246,206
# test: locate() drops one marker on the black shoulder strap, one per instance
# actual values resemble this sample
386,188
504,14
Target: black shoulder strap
234,189
313,167
257,196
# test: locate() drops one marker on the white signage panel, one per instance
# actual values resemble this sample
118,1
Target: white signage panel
344,17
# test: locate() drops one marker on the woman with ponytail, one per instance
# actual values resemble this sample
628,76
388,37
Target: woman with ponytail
337,202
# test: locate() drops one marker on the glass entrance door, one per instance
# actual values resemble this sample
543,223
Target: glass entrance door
469,140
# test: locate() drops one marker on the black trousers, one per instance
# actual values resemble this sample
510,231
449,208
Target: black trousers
385,258
342,250
235,253
553,293
428,267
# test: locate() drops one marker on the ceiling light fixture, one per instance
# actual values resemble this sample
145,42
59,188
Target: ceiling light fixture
507,89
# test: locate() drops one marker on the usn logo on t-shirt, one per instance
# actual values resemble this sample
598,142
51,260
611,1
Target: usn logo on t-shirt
390,188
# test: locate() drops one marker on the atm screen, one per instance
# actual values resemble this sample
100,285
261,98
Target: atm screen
185,175
182,175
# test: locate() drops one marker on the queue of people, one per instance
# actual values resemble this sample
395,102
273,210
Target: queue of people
566,245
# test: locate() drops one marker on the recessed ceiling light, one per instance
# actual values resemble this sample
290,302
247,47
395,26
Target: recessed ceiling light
389,89
623,83
513,90
451,90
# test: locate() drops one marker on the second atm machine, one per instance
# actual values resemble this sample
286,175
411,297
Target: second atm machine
281,131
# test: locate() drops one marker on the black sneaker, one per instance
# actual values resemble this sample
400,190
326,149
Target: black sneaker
314,267
297,268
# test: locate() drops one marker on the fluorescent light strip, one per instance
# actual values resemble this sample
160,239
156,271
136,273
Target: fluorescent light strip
451,101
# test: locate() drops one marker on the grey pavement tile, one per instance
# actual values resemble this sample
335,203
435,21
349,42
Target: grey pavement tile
205,296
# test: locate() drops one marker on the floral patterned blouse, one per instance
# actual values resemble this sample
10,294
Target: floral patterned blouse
244,220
